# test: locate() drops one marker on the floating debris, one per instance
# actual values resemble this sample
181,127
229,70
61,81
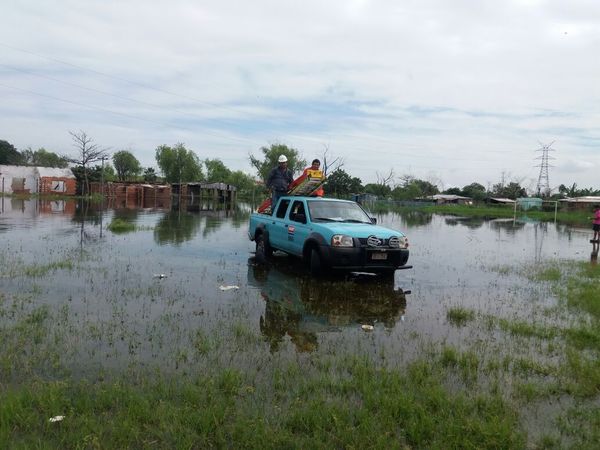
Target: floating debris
367,327
56,418
159,276
228,288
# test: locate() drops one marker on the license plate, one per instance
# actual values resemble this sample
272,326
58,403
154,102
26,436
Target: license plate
379,256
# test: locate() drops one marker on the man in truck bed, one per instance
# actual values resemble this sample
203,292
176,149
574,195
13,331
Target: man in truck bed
279,179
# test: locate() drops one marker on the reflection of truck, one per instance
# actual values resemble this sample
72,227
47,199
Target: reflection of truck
328,234
300,307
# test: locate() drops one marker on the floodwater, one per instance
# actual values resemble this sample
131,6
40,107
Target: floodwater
148,294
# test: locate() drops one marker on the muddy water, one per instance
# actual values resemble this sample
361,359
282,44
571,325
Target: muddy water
183,278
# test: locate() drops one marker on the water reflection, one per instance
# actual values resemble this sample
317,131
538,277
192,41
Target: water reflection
300,307
594,254
415,218
176,227
469,222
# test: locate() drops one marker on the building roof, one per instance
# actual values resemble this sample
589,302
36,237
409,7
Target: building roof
55,172
585,199
36,171
17,171
449,197
502,200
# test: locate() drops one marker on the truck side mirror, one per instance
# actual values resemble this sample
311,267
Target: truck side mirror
374,220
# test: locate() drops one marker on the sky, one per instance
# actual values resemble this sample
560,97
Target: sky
449,92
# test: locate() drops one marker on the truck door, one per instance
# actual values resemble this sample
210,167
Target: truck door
297,230
278,226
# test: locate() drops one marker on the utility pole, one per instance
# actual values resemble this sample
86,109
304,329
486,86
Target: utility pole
543,185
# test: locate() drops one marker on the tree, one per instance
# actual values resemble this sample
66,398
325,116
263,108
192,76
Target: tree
244,183
574,192
329,163
43,158
382,187
216,172
150,175
9,154
512,190
414,188
270,155
378,189
475,191
426,188
178,164
88,153
340,184
453,191
409,191
126,165
94,174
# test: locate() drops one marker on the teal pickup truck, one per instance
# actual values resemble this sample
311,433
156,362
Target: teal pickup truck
328,234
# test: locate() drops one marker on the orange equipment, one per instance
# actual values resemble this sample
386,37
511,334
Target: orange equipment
309,183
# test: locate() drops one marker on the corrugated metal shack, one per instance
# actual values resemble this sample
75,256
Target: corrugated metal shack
443,199
581,203
199,192
32,180
134,194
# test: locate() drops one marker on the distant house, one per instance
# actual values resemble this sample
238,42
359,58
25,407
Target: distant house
34,180
584,203
442,199
527,203
56,181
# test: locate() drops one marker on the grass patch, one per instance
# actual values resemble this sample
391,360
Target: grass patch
121,226
375,409
522,328
460,316
549,274
39,270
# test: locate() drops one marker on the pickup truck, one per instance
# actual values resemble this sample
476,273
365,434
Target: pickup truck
328,234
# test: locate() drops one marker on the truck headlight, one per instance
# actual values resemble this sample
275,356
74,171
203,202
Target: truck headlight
398,242
341,240
403,242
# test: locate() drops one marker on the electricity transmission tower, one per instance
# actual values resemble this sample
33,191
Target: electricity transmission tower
543,184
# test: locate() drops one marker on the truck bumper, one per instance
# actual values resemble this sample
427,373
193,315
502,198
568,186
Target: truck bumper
362,258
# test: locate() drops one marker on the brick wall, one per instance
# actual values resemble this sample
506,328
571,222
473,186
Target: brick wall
57,185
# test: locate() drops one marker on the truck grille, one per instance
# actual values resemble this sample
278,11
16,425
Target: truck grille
373,241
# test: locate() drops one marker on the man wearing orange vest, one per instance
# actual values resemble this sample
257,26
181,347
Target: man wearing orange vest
315,167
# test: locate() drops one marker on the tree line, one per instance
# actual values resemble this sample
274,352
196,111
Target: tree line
179,164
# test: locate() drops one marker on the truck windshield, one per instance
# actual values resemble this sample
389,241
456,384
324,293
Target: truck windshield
321,211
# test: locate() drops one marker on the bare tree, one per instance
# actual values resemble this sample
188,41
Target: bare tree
406,179
331,164
88,153
385,180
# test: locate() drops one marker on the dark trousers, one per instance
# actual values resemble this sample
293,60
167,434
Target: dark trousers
274,198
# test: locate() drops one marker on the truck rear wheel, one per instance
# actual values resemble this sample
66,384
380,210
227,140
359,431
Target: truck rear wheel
263,249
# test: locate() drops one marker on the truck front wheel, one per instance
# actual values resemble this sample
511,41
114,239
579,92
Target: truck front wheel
263,249
316,263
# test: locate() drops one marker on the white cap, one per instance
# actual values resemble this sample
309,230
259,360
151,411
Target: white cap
282,158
